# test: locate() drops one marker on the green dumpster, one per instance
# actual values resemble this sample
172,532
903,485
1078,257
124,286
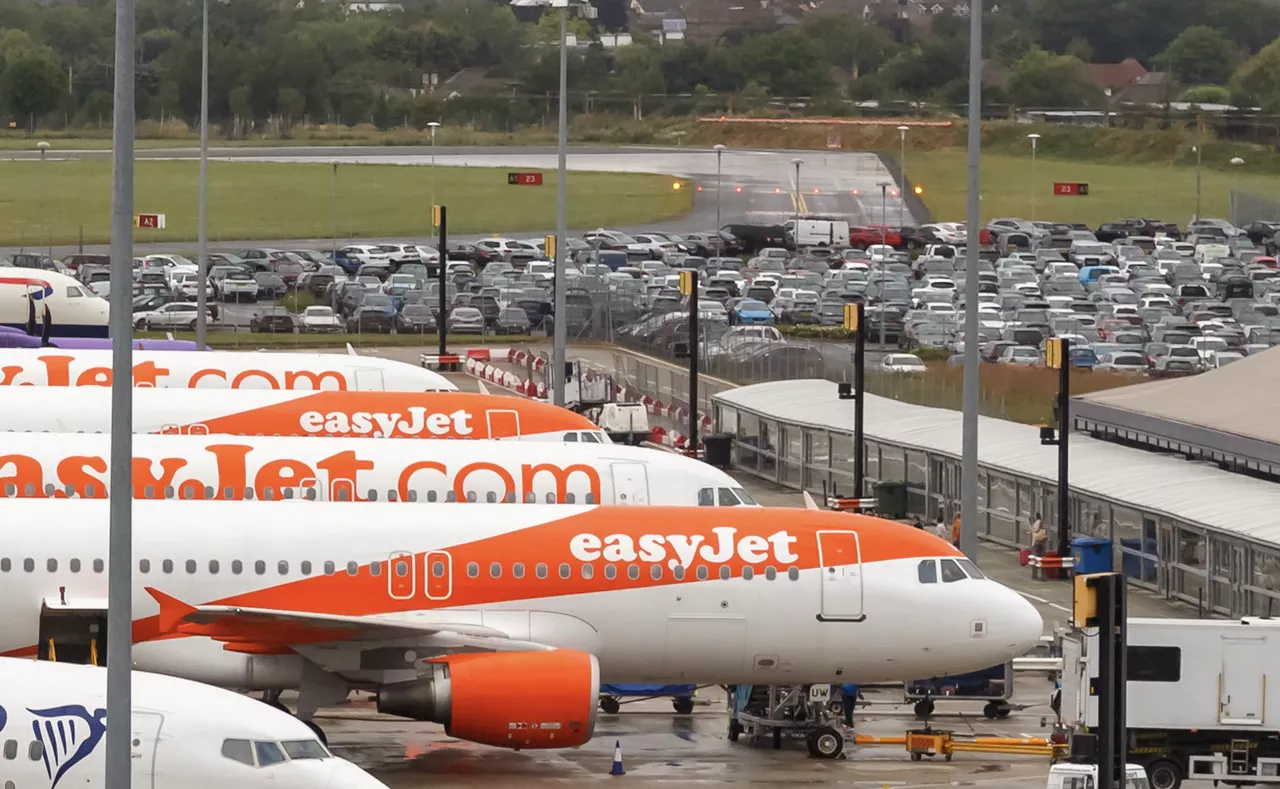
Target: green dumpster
891,499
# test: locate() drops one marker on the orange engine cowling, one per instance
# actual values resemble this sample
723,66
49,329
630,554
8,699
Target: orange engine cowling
507,699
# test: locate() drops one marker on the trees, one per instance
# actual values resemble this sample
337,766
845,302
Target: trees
1042,79
1259,77
1200,55
32,82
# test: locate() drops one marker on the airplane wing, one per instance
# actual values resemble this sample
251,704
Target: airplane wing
267,631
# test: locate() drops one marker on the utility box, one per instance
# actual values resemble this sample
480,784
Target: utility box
1090,555
717,450
891,500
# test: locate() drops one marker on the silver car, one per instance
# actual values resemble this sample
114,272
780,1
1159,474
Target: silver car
466,319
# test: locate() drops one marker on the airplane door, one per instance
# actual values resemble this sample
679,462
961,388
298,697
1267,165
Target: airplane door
401,576
630,484
841,561
369,379
503,423
146,737
439,569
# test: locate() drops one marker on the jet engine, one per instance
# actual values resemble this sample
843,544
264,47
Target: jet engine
506,699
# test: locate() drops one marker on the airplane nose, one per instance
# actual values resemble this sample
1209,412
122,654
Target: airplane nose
1020,624
346,775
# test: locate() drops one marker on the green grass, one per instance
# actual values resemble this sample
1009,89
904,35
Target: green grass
49,202
233,340
1162,191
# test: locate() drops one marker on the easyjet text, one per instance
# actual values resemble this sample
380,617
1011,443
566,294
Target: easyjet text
376,425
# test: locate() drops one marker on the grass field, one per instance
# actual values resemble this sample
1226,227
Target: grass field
1161,191
49,202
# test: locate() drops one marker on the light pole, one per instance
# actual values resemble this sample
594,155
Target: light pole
902,176
884,210
719,149
43,147
797,163
969,439
1236,161
433,125
202,242
1196,148
333,212
1034,138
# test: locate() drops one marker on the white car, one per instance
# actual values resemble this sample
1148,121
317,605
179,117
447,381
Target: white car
175,315
365,253
880,252
320,320
903,363
170,264
186,284
948,232
237,287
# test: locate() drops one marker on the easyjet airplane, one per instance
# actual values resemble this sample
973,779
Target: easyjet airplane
60,465
217,370
501,622
258,412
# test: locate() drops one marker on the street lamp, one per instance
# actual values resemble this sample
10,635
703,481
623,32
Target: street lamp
562,148
1236,161
1034,138
884,209
902,174
719,149
202,242
433,125
42,147
1197,150
797,163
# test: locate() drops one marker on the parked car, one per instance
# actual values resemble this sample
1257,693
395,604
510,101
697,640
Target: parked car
274,321
174,315
903,363
238,286
465,320
416,319
320,320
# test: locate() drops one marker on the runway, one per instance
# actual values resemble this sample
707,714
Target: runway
752,186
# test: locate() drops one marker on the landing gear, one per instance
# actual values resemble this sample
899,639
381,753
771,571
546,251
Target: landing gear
609,705
825,743
923,708
735,730
996,709
683,705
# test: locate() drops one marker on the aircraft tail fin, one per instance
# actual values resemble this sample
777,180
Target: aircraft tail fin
809,503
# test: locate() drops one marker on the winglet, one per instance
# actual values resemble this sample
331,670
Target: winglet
484,390
172,610
351,351
809,503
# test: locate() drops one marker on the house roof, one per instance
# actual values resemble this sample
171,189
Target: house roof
1117,75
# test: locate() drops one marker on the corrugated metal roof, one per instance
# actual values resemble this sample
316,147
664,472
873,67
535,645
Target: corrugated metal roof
1189,492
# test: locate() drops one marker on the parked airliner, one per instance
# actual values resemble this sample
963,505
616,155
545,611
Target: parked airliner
74,310
185,735
217,370
501,622
268,468
260,412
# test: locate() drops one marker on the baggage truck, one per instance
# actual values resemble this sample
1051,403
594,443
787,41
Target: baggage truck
1199,701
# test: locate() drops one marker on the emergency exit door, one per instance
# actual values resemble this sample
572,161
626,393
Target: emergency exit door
503,423
369,379
841,566
1243,682
630,484
146,738
402,576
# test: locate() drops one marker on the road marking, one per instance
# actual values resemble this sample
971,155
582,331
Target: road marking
1042,601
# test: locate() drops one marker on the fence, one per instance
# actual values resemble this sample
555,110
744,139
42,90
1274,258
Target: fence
1246,208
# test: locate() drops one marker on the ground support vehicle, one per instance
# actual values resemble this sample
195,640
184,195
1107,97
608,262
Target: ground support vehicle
681,696
787,712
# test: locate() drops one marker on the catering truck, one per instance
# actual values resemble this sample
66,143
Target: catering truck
1197,700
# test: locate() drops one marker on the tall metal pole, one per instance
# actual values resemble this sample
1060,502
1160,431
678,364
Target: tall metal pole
859,388
442,322
433,125
202,244
691,449
333,212
902,175
1064,461
1034,139
119,752
884,312
797,163
1197,149
562,246
969,442
719,149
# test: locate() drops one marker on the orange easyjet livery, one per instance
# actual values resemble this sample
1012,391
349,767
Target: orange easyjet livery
258,412
502,622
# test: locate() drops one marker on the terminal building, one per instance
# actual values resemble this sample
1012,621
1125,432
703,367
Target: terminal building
1183,529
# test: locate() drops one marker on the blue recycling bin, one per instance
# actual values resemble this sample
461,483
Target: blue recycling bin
1091,555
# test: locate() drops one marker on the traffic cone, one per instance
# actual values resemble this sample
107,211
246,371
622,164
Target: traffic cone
617,759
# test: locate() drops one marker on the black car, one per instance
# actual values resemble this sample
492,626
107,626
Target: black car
750,239
512,320
273,322
416,319
1260,232
371,319
469,252
1112,231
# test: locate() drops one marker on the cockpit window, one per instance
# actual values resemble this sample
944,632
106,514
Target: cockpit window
745,497
971,568
951,572
269,753
706,497
571,438
590,438
305,749
238,751
928,571
727,498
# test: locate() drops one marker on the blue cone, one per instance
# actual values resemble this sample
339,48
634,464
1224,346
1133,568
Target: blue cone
617,759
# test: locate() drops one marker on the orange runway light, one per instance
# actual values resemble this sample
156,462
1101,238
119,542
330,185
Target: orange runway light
855,192
675,184
699,187
893,192
815,191
777,190
919,189
738,189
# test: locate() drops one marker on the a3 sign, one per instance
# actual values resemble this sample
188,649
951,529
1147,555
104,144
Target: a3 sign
524,179
1071,190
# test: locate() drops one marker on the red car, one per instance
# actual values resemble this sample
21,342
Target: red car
863,237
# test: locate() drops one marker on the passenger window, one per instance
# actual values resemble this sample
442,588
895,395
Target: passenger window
144,565
213,567
75,565
491,497
927,571
588,572
517,570
35,750
167,566
98,565
610,572
51,565
971,568
495,570
260,567
655,572
569,498
565,571
951,572
540,570
633,572
677,572
748,573
590,498
29,565
238,751
353,568
282,568
5,565
793,573
375,569
191,566
473,570
702,572
328,568
11,749
706,497
471,497
237,566
770,574
306,568
725,572
530,497
437,569
269,753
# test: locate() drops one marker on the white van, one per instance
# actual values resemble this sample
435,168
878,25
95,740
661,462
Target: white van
817,232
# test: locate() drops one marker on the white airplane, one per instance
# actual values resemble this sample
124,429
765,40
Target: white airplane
218,370
501,622
75,311
185,735
261,412
268,468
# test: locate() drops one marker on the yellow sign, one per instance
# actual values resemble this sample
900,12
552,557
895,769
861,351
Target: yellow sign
1084,609
688,280
851,317
549,246
1053,354
436,210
